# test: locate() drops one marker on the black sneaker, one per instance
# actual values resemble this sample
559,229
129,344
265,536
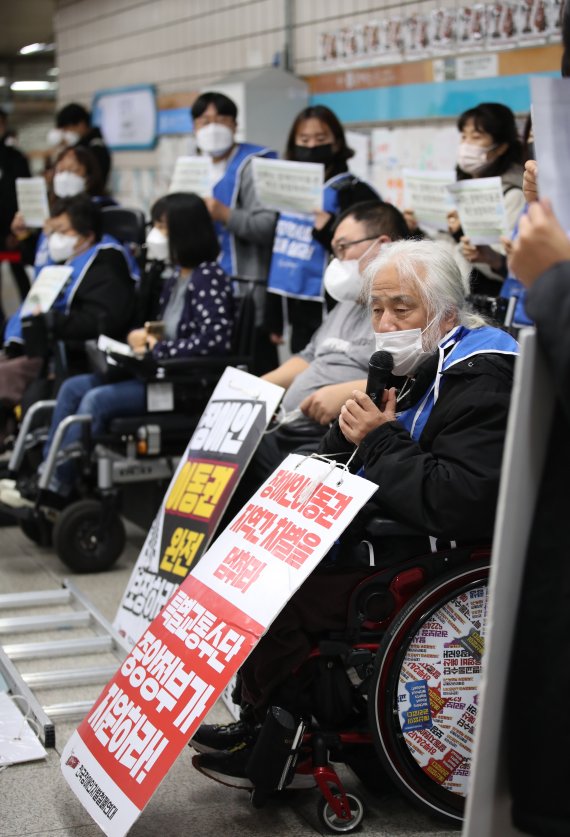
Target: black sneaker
230,769
217,738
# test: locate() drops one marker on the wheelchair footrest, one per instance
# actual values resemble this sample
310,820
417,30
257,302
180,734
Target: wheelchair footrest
274,755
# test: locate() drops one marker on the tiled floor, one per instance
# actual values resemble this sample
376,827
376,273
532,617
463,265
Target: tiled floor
35,800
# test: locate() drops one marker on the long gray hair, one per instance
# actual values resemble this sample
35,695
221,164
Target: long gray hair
430,269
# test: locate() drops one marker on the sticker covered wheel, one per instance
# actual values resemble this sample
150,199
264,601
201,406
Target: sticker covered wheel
339,825
87,537
424,692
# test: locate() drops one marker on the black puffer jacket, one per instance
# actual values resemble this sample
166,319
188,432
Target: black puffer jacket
446,484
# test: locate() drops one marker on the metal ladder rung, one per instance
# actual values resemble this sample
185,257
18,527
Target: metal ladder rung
59,648
45,622
69,711
35,599
68,677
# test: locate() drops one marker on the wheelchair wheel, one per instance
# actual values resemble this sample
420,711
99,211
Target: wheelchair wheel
424,691
87,538
39,531
336,824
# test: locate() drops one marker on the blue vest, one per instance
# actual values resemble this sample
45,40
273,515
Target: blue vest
299,261
80,265
512,287
226,190
460,344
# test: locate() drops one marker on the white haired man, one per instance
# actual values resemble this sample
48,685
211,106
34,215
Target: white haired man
434,448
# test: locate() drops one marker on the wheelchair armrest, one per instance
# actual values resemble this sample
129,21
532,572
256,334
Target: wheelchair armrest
378,527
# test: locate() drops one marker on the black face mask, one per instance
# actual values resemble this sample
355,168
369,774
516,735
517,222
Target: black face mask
318,154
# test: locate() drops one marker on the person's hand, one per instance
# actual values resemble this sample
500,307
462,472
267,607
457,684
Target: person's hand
321,219
360,415
19,227
276,339
411,220
453,222
482,253
541,243
151,342
137,339
218,210
507,244
323,405
471,252
530,181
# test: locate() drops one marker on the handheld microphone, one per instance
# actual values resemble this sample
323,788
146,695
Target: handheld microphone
379,367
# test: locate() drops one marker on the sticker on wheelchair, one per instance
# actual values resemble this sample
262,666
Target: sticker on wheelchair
438,689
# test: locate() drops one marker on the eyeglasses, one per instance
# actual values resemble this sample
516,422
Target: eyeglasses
340,249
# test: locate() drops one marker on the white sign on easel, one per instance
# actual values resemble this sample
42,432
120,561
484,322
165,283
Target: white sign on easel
488,810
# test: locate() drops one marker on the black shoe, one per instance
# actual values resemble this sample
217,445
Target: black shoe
217,738
230,769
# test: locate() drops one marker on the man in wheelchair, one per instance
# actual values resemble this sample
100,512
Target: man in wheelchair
433,445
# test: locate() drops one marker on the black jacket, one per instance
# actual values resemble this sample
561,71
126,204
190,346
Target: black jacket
446,483
13,164
538,733
93,140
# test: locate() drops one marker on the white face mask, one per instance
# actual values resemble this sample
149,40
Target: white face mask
67,184
54,136
214,139
342,278
471,158
157,245
70,137
61,247
406,347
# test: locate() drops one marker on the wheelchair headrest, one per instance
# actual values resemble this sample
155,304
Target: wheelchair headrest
126,225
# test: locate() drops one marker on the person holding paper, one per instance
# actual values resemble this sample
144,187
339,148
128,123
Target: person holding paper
245,228
96,296
433,446
13,165
490,146
297,270
196,310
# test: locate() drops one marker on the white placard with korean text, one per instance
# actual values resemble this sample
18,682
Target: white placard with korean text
481,209
31,193
163,690
225,439
46,289
287,186
550,125
192,174
426,193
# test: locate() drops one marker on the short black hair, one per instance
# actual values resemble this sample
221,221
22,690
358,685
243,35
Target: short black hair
326,115
379,218
158,209
90,163
191,234
84,216
223,104
499,121
71,115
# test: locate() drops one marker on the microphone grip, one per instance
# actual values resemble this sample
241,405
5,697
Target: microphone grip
375,388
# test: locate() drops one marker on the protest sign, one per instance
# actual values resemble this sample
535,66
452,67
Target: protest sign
46,288
192,174
550,125
481,209
163,690
31,193
288,186
427,195
224,441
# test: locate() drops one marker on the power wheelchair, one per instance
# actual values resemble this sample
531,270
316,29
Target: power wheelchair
394,695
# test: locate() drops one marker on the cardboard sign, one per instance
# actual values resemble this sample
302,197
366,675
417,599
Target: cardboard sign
192,174
288,186
144,717
219,451
31,193
46,289
481,209
426,193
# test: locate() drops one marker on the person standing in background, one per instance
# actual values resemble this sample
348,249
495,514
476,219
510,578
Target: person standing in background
74,123
245,228
13,164
297,270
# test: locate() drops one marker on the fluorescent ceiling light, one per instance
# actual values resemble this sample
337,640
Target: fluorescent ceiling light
20,86
30,48
2,81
